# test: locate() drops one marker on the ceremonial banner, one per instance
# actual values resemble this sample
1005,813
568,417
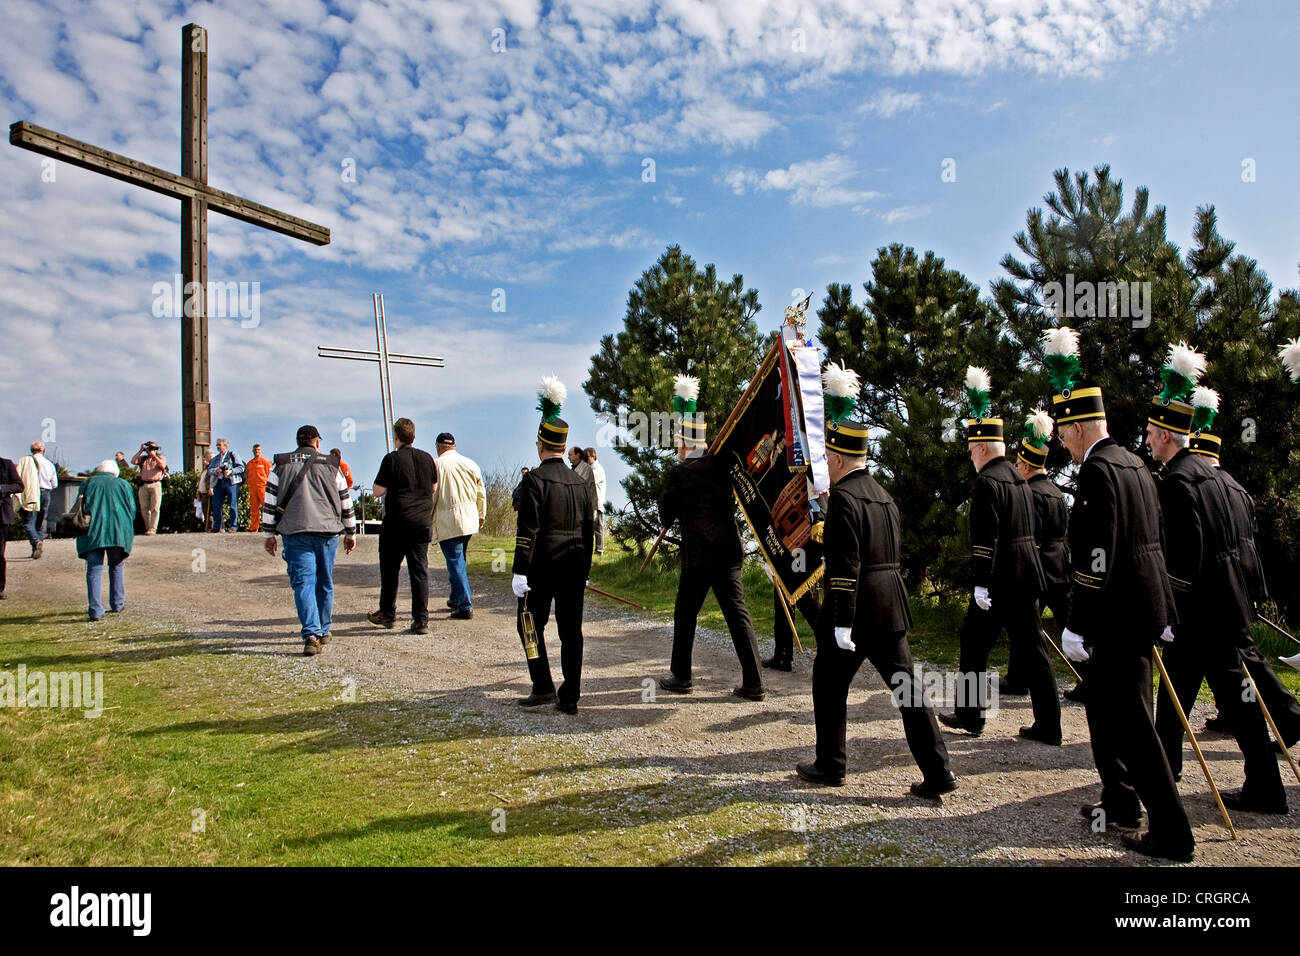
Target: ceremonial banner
773,495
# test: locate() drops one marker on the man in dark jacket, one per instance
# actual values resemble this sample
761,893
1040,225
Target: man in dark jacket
1120,603
699,495
865,617
1008,582
553,548
1281,703
10,484
406,481
1214,611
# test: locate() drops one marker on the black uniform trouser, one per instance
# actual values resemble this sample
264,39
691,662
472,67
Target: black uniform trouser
692,589
833,672
398,544
4,538
566,589
1125,747
808,606
1193,658
978,635
1057,597
1281,703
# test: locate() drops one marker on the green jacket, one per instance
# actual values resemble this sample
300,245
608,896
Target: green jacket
111,503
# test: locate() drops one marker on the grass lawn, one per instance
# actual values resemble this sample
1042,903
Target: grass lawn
212,758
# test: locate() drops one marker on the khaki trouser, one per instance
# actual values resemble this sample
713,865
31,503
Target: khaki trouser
150,495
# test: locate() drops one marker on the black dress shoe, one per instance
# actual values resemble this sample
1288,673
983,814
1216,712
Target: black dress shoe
450,605
1142,843
462,615
952,721
1089,812
564,708
1075,693
1216,725
1237,800
1033,733
675,684
749,693
935,786
1007,689
809,772
778,663
537,700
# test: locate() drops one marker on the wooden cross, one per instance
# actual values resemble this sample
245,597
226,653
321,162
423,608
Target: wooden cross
197,197
384,358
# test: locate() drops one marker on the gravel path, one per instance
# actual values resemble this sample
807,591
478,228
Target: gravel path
1017,801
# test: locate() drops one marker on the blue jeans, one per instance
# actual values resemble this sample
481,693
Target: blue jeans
223,492
310,559
34,521
453,549
95,580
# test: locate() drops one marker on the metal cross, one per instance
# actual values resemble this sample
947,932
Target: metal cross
197,197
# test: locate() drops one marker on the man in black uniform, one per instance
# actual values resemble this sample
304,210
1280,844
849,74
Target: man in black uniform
1281,703
1120,603
553,560
699,494
865,617
1051,521
1008,581
1213,610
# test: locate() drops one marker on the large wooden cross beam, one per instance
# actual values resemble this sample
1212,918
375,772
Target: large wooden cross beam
197,197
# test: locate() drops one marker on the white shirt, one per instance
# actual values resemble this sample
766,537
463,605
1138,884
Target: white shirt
1089,452
598,471
49,478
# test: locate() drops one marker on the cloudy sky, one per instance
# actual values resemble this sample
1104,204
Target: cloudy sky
552,151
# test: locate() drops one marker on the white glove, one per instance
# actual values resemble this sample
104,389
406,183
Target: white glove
519,584
1293,660
1167,635
843,640
982,598
1072,644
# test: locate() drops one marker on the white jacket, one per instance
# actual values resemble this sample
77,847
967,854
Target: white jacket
460,503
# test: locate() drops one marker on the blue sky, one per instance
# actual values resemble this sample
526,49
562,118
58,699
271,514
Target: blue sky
786,156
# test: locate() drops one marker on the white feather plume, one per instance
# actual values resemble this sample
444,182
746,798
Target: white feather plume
1186,361
552,389
1041,421
978,378
1289,355
1203,397
687,387
1061,341
840,381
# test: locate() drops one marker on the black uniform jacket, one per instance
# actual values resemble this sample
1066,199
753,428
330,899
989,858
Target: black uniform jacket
555,522
1244,524
864,588
1120,589
1210,591
1003,546
1051,522
10,483
699,495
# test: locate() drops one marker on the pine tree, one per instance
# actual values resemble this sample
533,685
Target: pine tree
910,342
679,320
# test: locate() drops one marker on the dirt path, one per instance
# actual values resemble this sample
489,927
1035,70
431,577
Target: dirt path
1017,802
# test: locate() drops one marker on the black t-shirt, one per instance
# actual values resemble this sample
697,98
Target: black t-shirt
408,475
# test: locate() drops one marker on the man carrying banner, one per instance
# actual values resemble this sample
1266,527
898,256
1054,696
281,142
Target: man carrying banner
866,614
699,494
1008,580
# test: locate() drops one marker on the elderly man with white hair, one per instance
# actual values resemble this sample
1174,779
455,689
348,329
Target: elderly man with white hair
111,505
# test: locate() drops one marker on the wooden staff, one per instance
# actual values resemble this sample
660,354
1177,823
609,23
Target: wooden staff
1272,726
786,608
653,548
1196,747
1294,640
614,597
1077,678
